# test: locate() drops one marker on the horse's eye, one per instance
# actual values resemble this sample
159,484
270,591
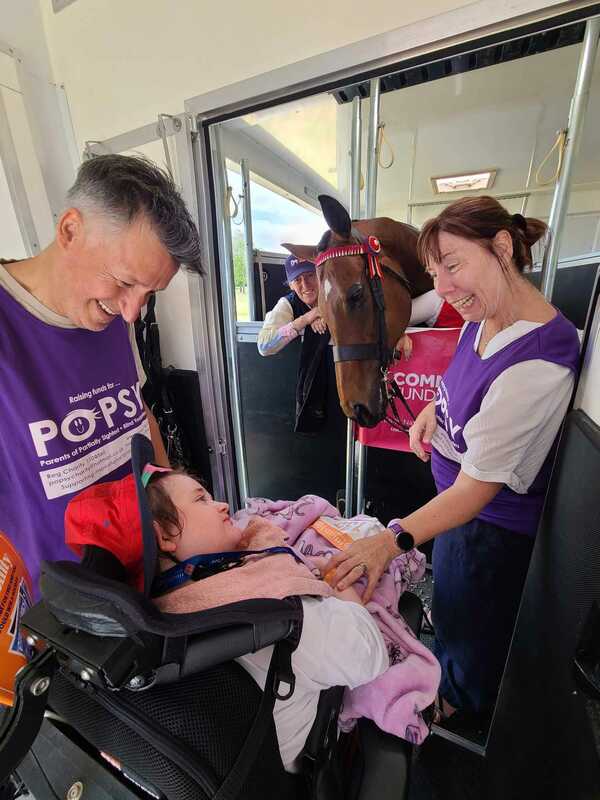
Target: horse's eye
355,294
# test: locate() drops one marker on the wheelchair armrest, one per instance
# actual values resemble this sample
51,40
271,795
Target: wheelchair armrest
116,637
411,608
386,764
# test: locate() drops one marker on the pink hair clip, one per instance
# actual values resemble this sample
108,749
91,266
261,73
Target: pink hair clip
149,470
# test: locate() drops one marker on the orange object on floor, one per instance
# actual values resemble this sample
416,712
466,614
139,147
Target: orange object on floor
15,599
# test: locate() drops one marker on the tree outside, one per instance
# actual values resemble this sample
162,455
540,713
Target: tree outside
239,260
239,276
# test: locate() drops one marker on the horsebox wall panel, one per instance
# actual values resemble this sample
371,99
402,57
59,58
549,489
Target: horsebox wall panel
165,56
281,463
8,72
11,241
22,28
542,738
572,291
29,165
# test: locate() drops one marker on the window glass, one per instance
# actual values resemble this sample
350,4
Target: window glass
276,218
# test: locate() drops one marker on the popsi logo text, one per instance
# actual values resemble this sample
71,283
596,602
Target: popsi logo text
80,424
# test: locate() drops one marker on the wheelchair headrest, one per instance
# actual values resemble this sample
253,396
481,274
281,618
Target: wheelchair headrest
78,596
115,515
116,632
142,453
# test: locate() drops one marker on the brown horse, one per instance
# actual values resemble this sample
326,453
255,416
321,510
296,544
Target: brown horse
348,300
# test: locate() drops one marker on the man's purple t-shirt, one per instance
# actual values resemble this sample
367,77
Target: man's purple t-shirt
460,395
70,402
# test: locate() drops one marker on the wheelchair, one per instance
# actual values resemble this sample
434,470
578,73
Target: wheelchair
123,701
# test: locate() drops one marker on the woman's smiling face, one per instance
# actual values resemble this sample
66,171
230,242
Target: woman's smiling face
306,286
470,277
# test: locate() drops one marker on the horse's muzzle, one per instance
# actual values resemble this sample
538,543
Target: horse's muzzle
364,417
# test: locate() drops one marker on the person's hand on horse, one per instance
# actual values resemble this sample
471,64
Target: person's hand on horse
368,557
403,348
319,325
421,431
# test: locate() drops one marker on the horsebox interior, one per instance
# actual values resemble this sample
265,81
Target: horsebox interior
438,117
494,106
487,111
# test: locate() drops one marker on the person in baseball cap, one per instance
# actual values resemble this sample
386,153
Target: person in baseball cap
294,312
297,314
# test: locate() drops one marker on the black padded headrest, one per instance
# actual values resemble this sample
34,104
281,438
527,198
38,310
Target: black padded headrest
101,606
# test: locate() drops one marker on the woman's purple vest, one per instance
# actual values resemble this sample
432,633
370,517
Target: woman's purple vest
70,401
461,392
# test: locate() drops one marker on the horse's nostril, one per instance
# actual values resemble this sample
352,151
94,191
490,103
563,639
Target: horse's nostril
361,414
364,416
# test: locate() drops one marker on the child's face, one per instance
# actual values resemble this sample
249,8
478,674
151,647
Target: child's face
206,525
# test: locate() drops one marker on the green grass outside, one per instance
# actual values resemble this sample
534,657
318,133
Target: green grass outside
241,305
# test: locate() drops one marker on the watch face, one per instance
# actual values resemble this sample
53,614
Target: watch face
405,541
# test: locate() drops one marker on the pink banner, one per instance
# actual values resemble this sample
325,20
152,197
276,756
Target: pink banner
417,379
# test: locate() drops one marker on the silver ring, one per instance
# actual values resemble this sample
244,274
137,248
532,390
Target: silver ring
363,568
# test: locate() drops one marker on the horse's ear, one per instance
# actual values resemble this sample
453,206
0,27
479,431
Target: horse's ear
335,215
305,252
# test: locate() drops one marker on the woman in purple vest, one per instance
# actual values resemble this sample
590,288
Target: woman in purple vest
492,430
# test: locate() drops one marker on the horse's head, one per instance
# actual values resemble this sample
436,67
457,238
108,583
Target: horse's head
348,304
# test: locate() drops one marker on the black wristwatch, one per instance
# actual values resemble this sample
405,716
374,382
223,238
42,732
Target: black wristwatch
404,540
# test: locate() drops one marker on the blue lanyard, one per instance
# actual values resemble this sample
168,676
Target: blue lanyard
203,566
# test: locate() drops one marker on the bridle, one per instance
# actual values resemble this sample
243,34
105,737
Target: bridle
370,248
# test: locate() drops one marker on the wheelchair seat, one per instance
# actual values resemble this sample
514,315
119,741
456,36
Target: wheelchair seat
158,702
154,704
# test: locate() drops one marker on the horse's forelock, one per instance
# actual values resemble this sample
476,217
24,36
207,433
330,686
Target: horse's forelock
324,242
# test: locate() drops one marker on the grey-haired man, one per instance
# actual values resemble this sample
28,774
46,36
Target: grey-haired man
69,371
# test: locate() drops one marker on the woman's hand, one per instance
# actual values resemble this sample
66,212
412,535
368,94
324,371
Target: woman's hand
422,430
404,347
319,325
368,557
306,319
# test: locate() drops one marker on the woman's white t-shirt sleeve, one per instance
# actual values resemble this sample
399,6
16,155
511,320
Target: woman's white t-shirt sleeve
508,439
426,308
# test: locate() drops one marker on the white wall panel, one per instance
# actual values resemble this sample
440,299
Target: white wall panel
11,241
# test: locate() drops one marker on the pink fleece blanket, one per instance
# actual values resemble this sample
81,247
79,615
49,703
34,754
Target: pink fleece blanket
396,700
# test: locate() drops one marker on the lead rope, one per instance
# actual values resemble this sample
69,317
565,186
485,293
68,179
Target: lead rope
393,392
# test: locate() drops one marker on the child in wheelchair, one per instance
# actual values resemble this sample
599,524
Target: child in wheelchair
273,550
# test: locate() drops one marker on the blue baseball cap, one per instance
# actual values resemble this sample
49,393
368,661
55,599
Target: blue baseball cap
295,267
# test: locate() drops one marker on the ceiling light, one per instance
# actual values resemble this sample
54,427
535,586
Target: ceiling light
469,182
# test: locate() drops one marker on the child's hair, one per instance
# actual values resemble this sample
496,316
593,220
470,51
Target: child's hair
164,511
162,507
